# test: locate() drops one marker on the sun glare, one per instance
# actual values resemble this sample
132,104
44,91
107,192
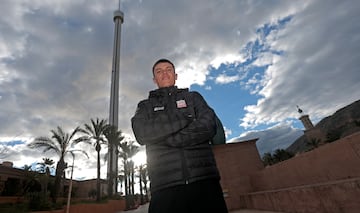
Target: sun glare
140,158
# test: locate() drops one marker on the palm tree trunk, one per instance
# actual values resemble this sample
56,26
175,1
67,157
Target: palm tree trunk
58,175
98,175
111,175
126,176
141,187
132,178
117,171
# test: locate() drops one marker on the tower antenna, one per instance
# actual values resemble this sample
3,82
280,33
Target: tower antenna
299,110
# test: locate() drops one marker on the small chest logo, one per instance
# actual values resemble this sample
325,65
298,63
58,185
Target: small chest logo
181,104
159,108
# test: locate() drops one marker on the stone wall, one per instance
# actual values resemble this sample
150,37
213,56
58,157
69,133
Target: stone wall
333,161
326,179
331,197
236,161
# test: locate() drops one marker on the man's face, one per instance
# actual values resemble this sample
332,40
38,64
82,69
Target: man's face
164,75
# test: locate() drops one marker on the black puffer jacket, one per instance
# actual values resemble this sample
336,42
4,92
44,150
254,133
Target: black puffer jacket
176,126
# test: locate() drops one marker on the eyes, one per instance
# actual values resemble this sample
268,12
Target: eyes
160,71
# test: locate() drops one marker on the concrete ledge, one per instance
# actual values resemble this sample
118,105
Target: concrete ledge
112,206
335,196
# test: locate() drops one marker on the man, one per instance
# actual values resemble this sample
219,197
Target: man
177,126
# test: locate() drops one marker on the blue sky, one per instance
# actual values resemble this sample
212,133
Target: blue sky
230,87
253,61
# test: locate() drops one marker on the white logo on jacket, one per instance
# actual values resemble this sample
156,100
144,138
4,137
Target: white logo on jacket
158,108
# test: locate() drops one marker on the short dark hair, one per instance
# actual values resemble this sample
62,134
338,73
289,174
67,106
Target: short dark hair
163,60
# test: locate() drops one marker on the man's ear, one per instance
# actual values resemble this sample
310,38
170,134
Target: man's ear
154,80
175,76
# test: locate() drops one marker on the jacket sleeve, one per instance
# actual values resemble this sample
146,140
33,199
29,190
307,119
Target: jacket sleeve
151,127
202,127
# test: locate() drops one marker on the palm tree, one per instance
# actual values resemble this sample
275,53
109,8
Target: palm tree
124,155
114,138
129,149
131,176
95,132
46,165
268,159
134,149
142,180
121,180
312,144
44,168
281,155
27,167
145,179
60,143
132,152
333,135
30,179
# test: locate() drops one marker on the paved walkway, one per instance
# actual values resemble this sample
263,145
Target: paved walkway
144,209
252,211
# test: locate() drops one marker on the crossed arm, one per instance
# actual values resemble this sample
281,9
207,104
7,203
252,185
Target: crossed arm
174,127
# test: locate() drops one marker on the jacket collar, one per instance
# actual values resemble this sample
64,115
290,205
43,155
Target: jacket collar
165,91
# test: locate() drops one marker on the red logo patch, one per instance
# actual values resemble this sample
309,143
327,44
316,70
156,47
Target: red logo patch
181,104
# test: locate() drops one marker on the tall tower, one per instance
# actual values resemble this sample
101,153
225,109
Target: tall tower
114,101
314,134
305,120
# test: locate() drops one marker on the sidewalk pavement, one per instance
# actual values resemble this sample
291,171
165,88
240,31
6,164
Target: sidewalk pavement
252,211
144,209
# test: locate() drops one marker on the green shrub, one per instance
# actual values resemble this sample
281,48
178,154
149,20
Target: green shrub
13,207
38,201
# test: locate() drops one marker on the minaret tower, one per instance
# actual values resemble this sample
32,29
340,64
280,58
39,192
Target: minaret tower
114,100
305,120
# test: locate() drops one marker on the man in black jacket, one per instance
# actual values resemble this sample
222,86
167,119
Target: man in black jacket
177,126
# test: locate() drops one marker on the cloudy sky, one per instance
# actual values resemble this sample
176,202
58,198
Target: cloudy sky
253,61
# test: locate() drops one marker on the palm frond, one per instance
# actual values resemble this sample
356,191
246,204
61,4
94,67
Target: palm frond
44,142
78,150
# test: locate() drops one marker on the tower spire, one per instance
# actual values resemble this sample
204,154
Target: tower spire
299,110
114,102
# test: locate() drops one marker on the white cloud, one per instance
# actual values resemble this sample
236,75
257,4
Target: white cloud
317,70
224,79
227,131
226,59
56,56
264,59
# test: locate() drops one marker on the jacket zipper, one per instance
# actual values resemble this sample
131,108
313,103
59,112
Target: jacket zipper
186,174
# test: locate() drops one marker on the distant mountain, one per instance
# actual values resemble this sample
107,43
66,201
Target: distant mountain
276,137
342,123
